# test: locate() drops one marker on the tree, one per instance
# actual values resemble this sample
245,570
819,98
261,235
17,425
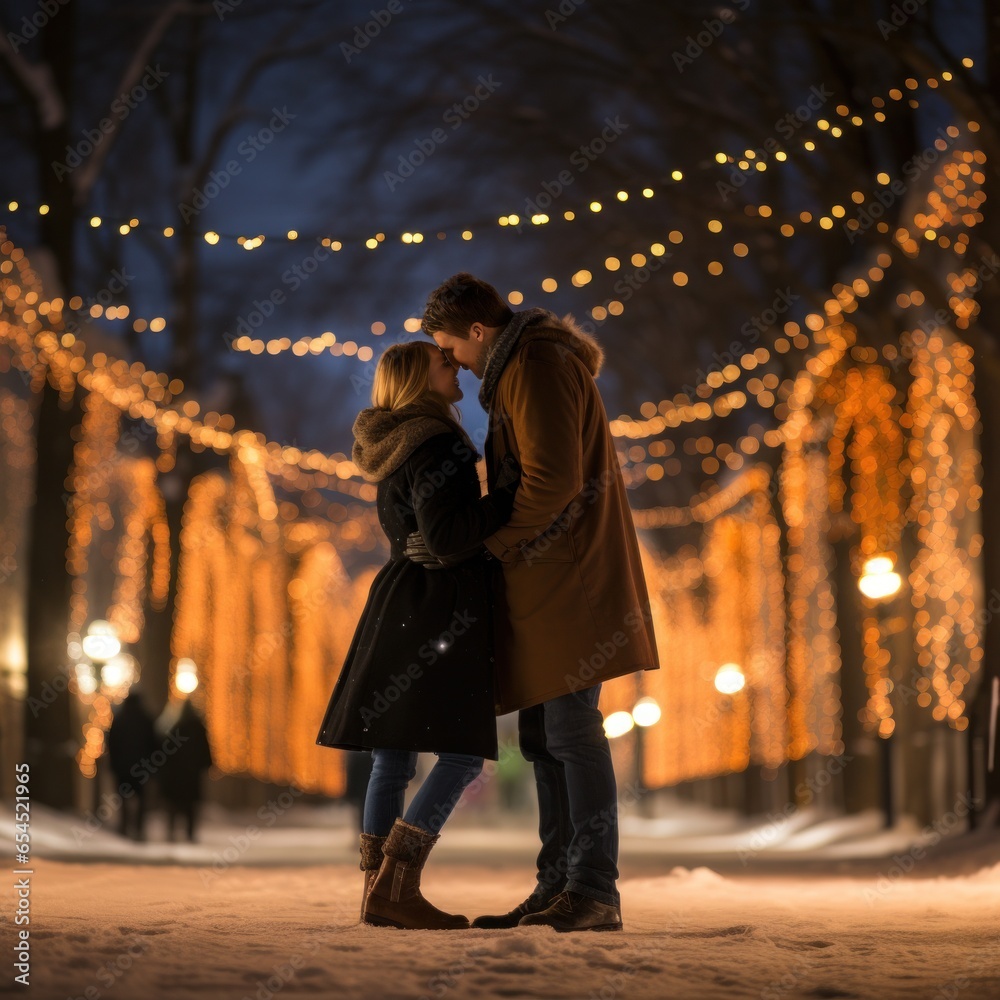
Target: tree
685,83
59,81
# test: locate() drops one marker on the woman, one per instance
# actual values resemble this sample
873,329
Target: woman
419,674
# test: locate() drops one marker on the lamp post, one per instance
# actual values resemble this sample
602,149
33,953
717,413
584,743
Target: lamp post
618,724
100,644
729,679
646,712
878,580
880,583
185,676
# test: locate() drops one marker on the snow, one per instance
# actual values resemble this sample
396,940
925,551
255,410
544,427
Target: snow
319,834
274,922
169,931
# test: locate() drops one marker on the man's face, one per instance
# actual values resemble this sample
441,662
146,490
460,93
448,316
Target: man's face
465,352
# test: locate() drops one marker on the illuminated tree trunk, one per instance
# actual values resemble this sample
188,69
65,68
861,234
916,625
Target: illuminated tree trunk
983,783
50,741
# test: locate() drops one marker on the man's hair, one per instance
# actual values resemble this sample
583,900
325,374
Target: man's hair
461,301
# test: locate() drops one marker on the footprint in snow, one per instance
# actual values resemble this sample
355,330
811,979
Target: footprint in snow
740,930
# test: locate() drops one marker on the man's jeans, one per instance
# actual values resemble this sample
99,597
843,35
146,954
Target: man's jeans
577,795
393,770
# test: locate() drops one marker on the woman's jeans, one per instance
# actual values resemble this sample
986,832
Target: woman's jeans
393,770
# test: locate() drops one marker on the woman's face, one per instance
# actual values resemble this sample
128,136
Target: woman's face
443,378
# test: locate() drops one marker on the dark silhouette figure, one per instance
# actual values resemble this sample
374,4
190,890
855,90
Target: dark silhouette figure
131,741
189,755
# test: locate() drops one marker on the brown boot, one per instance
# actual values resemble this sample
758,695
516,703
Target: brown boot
533,904
394,899
572,911
371,861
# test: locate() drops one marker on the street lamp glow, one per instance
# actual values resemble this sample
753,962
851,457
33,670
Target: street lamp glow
618,724
119,671
86,683
878,579
646,712
101,641
729,679
186,677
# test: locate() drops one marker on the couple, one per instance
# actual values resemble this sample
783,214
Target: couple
525,599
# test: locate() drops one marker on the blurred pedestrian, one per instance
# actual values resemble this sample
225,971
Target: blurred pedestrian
131,741
180,777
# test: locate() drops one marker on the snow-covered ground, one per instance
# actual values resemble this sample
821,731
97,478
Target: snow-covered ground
151,932
771,910
286,831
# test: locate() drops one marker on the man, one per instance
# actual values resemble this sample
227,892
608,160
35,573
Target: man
571,603
131,741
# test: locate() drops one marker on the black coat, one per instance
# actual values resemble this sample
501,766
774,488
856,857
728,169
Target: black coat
188,755
131,740
419,672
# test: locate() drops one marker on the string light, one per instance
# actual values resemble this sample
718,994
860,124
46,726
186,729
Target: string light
824,329
813,650
327,342
513,220
943,472
310,346
145,395
265,607
106,483
720,603
786,710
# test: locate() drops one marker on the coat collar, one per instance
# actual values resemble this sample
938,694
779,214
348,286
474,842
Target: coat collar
385,439
537,324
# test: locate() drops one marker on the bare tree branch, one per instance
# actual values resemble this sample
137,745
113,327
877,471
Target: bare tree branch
38,81
84,178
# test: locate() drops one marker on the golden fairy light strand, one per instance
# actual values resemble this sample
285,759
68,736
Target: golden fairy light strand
748,161
722,602
143,393
128,387
813,653
705,508
944,474
328,342
248,610
671,413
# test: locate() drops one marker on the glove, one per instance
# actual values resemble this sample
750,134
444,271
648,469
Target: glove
416,551
509,473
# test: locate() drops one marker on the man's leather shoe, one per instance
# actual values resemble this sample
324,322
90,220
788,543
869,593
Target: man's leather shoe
533,904
571,911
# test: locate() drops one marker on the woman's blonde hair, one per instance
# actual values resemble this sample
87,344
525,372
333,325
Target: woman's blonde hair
402,379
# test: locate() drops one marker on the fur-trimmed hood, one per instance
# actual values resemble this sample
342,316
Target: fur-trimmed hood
536,324
567,331
385,439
